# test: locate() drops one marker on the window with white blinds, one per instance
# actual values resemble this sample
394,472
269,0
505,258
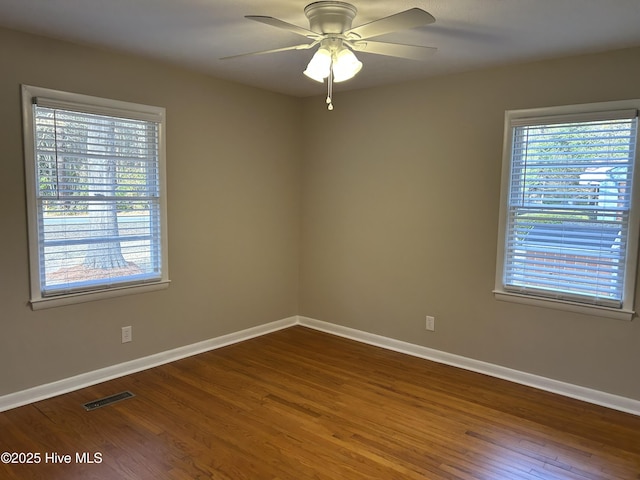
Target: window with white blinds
569,227
95,195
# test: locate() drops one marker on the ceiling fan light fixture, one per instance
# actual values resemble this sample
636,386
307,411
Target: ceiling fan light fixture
345,65
319,66
330,25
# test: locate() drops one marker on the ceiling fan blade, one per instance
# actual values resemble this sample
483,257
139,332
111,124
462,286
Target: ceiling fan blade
304,46
274,22
414,17
412,52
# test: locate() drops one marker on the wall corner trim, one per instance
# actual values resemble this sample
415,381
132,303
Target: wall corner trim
604,399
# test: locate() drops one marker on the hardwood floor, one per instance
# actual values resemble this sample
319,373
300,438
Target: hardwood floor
299,404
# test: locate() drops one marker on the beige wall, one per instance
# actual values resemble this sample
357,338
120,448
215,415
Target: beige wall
233,156
395,194
400,198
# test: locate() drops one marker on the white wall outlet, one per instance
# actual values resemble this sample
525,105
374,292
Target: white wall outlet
127,334
431,323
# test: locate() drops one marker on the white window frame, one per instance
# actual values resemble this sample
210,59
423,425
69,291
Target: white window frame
100,106
515,117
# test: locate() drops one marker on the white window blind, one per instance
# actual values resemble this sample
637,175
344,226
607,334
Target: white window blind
568,207
97,195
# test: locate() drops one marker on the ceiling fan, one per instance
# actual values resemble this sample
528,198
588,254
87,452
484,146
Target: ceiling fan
330,29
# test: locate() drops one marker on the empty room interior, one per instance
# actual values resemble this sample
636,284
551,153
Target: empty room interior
330,291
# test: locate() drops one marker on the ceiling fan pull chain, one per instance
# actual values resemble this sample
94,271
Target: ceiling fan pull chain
330,87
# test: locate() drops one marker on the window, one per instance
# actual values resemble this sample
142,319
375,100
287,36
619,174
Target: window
95,197
569,208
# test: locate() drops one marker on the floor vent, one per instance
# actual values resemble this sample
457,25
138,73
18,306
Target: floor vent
107,400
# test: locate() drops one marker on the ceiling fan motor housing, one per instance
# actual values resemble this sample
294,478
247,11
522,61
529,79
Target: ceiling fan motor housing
330,17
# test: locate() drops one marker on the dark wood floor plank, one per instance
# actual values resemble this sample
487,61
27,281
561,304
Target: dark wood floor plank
299,404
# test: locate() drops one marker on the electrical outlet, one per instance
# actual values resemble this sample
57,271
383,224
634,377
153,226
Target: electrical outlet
127,334
431,323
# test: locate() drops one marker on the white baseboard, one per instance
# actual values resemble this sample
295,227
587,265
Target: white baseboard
66,385
70,384
596,397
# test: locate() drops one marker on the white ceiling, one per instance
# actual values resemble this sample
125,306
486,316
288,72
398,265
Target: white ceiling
469,34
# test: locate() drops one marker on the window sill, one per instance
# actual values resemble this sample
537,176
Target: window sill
73,298
594,310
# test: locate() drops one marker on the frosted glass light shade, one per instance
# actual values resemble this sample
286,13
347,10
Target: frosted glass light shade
318,68
345,65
